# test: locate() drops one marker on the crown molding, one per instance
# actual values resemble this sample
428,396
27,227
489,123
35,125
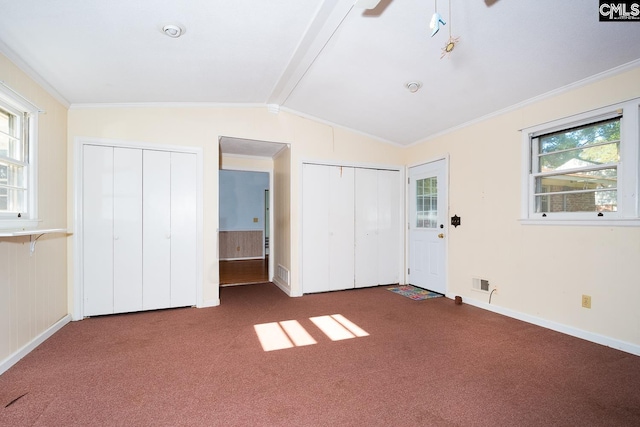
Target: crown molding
561,90
31,73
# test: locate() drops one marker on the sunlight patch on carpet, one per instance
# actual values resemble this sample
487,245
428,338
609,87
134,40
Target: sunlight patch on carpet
413,292
297,333
272,336
352,327
337,327
290,333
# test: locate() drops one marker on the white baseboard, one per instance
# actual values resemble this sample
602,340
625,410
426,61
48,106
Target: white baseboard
31,345
284,287
558,327
209,303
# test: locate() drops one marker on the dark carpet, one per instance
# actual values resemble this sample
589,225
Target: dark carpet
423,363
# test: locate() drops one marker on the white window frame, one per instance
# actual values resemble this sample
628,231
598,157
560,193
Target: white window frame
628,202
29,216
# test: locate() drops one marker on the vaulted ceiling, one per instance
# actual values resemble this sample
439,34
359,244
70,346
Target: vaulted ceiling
327,59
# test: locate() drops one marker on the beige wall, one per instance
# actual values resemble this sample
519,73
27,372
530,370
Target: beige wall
541,271
33,290
281,232
201,127
245,163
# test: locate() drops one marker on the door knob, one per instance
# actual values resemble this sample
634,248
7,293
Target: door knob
441,236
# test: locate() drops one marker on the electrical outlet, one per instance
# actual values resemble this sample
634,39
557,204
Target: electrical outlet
495,289
586,301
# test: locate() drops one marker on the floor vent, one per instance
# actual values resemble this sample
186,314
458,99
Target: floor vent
481,285
283,274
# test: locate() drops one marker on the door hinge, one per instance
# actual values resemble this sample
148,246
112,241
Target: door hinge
408,271
408,180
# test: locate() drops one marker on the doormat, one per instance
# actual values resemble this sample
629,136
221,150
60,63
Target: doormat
414,293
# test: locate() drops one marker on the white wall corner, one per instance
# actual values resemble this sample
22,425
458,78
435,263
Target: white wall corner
209,303
31,345
285,288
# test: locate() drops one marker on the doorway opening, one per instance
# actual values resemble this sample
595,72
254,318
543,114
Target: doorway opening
244,222
245,215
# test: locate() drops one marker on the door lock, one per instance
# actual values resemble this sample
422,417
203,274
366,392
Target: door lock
441,236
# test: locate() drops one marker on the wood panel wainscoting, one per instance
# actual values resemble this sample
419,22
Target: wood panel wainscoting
241,244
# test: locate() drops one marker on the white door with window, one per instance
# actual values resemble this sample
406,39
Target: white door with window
427,226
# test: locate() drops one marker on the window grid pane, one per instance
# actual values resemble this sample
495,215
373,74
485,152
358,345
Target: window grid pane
580,137
586,161
592,201
427,202
11,200
15,171
11,138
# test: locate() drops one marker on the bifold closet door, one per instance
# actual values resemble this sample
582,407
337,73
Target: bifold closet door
97,229
156,234
366,223
169,229
127,230
327,227
389,226
112,230
341,227
315,228
183,229
378,210
139,229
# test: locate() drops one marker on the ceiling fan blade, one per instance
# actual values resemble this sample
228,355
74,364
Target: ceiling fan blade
366,4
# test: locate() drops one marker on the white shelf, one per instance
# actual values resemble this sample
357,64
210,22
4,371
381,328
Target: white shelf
31,233
34,232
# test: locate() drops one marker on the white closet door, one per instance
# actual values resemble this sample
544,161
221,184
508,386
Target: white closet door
97,228
127,230
341,227
389,226
156,233
366,228
183,229
315,228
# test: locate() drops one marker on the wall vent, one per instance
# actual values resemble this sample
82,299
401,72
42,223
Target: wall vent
481,285
282,274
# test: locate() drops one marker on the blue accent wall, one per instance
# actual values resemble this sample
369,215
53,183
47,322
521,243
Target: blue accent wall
242,199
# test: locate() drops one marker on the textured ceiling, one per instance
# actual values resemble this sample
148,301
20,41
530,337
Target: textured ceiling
325,59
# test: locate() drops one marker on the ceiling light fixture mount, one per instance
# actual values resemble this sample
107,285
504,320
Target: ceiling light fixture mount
172,30
413,86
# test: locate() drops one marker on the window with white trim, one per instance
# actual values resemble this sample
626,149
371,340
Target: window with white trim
17,162
584,168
